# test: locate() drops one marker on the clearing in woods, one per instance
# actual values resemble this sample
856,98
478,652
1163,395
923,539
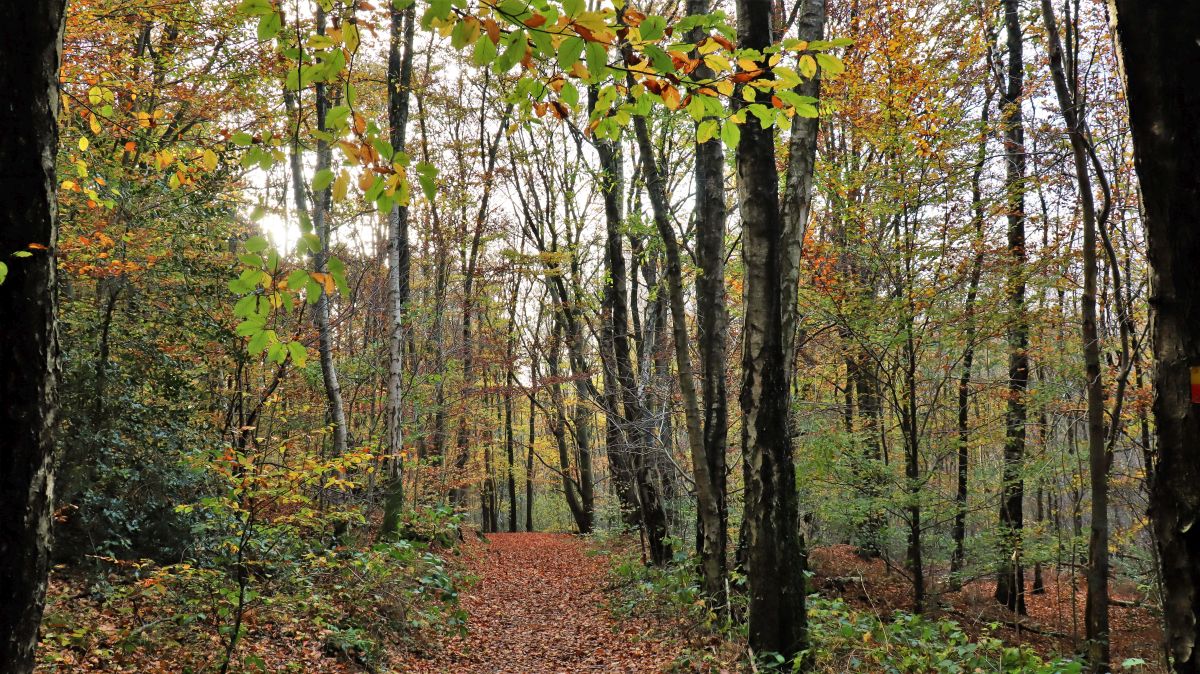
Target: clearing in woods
537,607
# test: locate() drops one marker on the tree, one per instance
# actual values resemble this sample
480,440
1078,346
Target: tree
1010,578
774,551
30,49
1162,77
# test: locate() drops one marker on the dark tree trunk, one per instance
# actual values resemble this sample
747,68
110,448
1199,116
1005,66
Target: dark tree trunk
959,532
1010,577
510,383
710,496
652,514
1162,72
712,318
774,550
30,49
529,453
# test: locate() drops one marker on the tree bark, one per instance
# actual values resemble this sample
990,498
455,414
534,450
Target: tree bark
1162,71
399,80
30,49
1010,577
318,219
774,551
712,318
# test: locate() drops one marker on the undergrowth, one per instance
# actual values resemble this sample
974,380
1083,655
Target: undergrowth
842,638
265,599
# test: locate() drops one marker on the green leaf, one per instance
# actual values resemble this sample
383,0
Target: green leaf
706,130
731,133
569,94
269,26
22,253
297,279
251,260
337,116
572,8
569,51
256,244
830,65
243,139
427,174
513,52
485,52
597,60
322,180
3,272
298,353
653,28
258,342
246,306
255,7
248,327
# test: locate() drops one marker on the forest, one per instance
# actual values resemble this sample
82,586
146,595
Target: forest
593,335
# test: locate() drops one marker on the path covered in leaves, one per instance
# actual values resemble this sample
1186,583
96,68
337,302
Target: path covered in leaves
538,607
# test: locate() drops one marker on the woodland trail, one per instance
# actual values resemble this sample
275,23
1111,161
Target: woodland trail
537,607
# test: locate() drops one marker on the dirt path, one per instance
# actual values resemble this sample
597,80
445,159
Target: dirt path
537,607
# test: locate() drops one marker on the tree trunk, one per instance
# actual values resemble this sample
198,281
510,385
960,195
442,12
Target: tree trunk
709,495
529,450
712,318
1010,577
774,551
399,79
510,383
959,532
652,514
30,49
1162,72
318,220
1096,611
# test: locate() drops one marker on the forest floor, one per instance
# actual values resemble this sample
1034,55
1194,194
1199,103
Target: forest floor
1054,624
537,605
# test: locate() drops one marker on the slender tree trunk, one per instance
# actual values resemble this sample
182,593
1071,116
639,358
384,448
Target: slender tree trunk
1010,577
30,49
1162,72
399,79
774,550
709,495
530,450
797,194
1096,611
651,511
318,220
558,427
959,533
400,58
510,382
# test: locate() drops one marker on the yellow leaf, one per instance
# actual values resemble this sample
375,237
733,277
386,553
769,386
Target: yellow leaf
210,160
94,124
351,36
717,62
83,144
341,186
808,66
